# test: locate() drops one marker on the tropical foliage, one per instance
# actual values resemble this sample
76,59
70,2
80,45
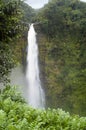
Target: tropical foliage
64,24
62,32
13,15
10,16
15,114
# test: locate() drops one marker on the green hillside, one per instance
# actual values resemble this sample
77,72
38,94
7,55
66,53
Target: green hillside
61,27
63,54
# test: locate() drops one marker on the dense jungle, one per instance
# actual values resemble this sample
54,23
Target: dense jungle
61,37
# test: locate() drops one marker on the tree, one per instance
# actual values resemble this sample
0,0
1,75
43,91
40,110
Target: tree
10,17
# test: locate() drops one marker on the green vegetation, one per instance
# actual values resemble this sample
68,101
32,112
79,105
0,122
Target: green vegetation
15,114
63,57
10,16
14,15
63,23
28,13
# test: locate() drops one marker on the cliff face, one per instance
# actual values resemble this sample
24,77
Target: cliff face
59,69
48,70
62,54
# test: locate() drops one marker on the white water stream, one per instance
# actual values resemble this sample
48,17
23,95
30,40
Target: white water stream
36,97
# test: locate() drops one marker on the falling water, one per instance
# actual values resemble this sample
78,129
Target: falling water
36,96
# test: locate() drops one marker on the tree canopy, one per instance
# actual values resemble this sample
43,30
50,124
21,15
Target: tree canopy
64,24
13,15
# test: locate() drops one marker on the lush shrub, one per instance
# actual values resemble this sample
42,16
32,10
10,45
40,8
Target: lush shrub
15,114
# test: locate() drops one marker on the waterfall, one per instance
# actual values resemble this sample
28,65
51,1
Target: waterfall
36,97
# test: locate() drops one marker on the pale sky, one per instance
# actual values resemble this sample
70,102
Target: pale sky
39,3
36,3
83,0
